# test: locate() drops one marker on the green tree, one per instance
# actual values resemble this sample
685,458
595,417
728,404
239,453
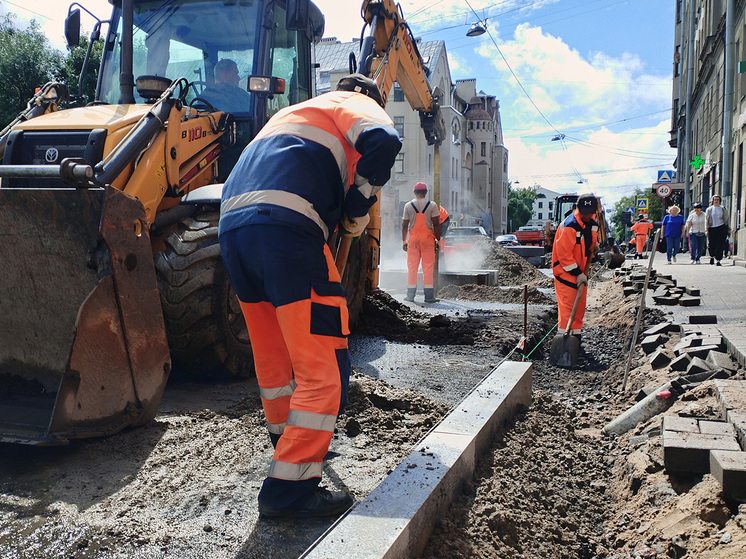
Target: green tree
520,206
74,63
27,61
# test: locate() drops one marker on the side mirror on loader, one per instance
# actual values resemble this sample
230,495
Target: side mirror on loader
296,17
72,28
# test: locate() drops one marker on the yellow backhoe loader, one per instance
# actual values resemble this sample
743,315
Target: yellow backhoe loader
109,211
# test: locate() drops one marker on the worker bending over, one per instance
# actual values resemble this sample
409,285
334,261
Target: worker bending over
422,221
641,230
575,244
314,165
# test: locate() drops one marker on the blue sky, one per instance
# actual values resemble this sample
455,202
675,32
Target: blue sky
596,73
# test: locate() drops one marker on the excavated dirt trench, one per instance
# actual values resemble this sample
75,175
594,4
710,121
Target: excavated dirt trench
185,485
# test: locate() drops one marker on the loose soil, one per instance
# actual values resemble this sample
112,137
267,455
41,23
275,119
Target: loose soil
184,486
495,294
551,486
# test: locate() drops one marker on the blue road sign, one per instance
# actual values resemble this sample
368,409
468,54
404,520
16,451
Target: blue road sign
665,176
642,203
630,210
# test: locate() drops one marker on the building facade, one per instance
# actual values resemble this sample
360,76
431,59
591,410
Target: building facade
473,157
543,208
709,106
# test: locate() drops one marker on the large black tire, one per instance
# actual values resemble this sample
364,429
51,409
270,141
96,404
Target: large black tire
355,274
206,330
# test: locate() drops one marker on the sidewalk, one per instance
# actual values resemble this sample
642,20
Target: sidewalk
722,291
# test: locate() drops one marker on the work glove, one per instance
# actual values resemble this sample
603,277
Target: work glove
404,246
582,279
437,245
353,227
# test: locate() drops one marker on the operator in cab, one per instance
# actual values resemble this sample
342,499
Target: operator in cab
315,166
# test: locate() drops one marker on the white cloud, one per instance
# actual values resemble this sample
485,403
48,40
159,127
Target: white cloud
586,92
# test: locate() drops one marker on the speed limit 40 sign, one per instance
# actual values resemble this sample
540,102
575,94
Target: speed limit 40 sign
664,190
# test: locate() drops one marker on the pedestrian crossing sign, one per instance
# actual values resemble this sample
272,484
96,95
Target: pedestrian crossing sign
642,204
664,176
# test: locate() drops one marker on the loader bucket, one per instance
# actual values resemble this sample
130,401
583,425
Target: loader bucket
83,348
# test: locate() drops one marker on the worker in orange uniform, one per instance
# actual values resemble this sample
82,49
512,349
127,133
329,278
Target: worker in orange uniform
313,166
575,244
641,230
422,222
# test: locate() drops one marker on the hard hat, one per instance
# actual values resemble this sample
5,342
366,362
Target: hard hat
420,186
361,84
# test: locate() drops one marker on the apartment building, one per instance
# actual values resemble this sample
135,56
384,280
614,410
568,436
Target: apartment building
473,157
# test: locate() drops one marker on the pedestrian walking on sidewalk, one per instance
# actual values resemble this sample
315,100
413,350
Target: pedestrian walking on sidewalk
315,166
421,221
696,227
672,230
718,229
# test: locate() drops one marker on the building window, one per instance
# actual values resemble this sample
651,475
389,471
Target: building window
551,206
484,149
398,93
399,163
505,163
471,126
541,215
541,204
399,125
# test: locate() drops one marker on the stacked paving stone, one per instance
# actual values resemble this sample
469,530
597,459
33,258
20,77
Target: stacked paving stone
696,446
665,290
692,446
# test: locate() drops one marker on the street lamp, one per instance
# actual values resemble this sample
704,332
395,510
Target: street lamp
477,28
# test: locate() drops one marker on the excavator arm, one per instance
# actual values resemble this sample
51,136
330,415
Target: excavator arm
389,53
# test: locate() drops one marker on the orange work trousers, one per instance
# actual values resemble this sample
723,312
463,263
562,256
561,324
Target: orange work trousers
297,318
420,248
640,242
565,300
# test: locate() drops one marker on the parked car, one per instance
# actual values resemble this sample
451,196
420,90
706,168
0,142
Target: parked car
507,240
465,235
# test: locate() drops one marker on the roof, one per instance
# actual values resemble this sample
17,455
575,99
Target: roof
334,56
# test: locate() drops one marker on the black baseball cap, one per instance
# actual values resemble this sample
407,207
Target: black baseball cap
361,84
696,205
587,203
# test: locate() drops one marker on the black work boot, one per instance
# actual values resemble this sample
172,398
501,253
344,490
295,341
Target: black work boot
411,291
430,295
321,503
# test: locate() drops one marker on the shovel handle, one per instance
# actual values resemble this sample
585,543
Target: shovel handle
343,252
574,310
576,304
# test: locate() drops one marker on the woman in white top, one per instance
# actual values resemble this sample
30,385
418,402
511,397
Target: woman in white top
696,227
718,229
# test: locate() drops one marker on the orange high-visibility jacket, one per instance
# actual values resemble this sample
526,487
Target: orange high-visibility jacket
572,248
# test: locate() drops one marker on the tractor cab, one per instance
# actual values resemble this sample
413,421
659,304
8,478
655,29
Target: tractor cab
249,58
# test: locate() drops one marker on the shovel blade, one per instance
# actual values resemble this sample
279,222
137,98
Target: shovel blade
564,351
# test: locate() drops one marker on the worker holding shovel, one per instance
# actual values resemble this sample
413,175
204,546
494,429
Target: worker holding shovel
575,244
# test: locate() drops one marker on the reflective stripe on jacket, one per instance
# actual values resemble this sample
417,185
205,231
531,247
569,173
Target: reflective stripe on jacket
572,248
313,152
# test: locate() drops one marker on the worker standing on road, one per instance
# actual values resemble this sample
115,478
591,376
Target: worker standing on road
422,221
314,165
641,230
575,244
